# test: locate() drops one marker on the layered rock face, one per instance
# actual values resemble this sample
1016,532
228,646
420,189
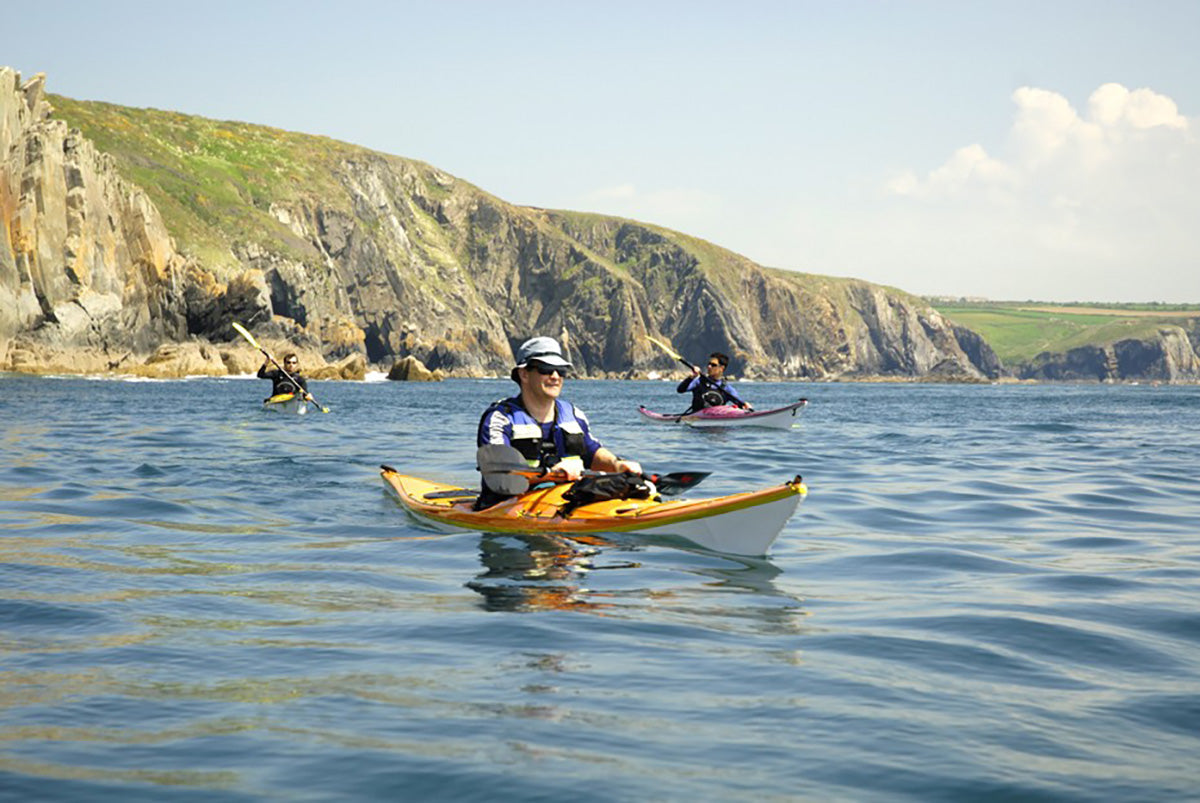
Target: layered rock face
86,261
772,323
387,258
1169,357
90,279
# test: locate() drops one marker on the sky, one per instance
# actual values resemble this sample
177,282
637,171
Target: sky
1007,150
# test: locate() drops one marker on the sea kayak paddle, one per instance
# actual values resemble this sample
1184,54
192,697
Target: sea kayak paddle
505,471
670,351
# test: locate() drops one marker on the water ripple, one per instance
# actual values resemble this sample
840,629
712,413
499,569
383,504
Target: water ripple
990,593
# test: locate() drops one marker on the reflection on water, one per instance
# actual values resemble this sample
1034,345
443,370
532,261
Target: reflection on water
532,572
526,573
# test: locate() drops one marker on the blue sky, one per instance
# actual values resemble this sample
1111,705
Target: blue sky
1012,150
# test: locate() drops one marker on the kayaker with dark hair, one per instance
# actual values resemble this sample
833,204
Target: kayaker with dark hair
549,432
711,389
282,380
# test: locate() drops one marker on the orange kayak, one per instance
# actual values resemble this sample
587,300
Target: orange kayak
741,523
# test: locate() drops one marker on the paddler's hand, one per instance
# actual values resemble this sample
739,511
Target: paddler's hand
628,466
695,370
571,468
604,460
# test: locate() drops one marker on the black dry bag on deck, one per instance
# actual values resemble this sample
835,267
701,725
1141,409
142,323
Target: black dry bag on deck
603,487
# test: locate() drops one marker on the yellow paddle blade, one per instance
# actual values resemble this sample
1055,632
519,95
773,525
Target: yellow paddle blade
241,330
665,347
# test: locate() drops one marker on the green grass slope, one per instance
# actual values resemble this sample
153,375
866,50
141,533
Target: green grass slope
1019,331
212,181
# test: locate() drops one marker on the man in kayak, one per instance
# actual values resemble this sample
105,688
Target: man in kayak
550,433
282,380
711,389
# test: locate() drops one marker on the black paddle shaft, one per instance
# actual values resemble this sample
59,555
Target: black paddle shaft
496,458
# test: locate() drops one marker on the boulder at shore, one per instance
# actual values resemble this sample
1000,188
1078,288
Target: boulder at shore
410,369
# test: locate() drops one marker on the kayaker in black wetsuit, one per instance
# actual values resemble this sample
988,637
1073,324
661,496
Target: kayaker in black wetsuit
711,389
281,381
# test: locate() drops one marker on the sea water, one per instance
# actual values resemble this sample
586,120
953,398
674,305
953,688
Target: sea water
990,593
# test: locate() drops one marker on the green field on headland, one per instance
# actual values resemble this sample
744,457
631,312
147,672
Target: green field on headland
1020,330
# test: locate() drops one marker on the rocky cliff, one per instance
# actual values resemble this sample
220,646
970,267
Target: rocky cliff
85,259
90,279
1170,356
131,235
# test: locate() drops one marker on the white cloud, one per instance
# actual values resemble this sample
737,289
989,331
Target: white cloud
1045,123
1071,199
1049,139
1113,104
968,167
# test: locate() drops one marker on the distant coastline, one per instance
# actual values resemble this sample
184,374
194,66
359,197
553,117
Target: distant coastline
136,238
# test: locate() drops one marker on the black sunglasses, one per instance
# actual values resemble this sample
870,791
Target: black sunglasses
714,365
546,370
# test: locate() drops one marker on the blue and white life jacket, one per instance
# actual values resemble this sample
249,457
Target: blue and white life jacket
567,438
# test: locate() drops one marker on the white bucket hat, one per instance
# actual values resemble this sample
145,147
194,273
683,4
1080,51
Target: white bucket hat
541,349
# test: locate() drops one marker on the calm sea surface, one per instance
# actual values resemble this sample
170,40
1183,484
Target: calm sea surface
991,593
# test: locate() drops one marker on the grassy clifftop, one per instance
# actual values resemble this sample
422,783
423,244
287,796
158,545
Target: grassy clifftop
1019,331
213,181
